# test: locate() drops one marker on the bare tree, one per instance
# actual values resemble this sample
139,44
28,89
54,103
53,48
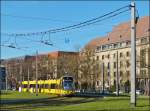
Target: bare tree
87,69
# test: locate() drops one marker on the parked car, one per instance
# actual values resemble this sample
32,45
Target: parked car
120,92
139,92
13,88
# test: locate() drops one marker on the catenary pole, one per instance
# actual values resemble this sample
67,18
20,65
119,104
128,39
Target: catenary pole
103,83
36,73
117,77
21,76
28,78
6,68
133,55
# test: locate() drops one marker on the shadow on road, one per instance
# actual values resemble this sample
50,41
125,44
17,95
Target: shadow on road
38,103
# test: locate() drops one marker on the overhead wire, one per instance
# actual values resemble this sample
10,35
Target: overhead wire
71,27
91,22
50,33
79,25
38,18
88,21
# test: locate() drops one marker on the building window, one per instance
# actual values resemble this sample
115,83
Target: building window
97,83
98,48
143,40
143,72
128,43
127,53
127,63
114,82
114,64
114,74
121,73
115,45
142,58
102,57
104,47
97,58
108,66
121,64
108,56
120,44
114,55
121,54
109,46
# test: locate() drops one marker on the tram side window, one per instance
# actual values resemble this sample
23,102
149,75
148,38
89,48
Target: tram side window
32,85
46,86
42,85
25,85
53,86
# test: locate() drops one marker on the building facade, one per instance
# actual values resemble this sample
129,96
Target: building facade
50,65
114,52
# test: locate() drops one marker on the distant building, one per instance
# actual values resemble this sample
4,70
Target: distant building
64,62
50,65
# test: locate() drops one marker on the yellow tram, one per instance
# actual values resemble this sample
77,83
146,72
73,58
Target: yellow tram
63,86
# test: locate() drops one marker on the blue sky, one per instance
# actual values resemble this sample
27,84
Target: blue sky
60,14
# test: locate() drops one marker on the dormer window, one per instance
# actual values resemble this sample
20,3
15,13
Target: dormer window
104,47
143,40
128,43
120,44
120,36
98,48
115,45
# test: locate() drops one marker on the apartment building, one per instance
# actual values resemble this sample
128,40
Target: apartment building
114,51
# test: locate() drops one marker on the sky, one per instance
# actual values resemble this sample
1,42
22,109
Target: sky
19,17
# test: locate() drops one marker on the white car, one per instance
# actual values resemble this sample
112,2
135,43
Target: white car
138,92
120,92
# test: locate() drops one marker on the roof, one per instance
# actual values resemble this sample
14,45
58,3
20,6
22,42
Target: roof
122,32
53,54
56,54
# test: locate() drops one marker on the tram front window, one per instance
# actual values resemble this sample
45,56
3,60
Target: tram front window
68,85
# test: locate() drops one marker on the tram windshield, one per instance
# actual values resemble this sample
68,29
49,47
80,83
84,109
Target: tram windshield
68,83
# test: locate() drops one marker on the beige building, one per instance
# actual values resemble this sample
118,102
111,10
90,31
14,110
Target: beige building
115,50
